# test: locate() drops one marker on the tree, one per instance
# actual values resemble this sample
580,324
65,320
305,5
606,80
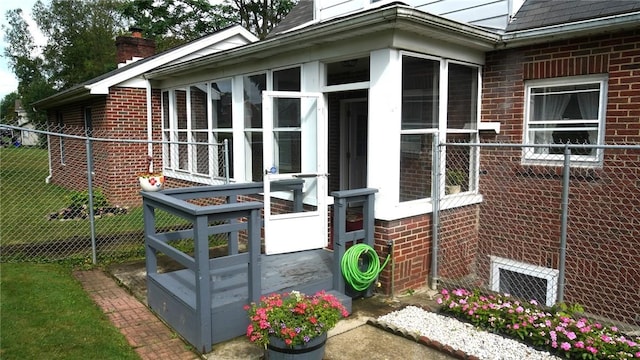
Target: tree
33,84
259,17
80,38
8,109
173,22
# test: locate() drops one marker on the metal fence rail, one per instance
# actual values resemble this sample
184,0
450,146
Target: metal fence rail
548,225
53,208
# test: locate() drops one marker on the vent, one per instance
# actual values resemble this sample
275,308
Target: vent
525,281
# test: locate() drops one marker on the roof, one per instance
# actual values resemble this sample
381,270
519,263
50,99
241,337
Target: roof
302,13
543,13
131,73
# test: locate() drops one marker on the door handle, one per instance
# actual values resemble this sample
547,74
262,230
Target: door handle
308,175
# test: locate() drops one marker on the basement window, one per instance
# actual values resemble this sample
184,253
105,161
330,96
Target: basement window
524,281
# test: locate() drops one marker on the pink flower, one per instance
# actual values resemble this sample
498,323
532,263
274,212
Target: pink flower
571,335
516,326
439,301
592,350
579,344
565,346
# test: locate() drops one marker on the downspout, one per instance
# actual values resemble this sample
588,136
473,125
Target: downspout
47,180
149,126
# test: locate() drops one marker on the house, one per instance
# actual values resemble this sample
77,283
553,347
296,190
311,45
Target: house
26,138
355,94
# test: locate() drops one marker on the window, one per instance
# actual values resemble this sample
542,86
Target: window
194,118
524,281
564,111
253,86
423,110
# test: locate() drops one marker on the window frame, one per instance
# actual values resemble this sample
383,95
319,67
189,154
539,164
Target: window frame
548,274
529,157
170,136
442,130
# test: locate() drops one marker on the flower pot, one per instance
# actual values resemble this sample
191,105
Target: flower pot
313,350
453,189
152,182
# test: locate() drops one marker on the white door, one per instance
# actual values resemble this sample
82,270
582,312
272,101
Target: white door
295,181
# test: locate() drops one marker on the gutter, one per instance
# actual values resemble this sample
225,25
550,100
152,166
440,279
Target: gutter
388,18
565,31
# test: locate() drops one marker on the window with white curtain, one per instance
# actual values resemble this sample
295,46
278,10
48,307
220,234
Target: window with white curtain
565,111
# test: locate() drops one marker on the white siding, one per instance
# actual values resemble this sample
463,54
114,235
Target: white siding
487,13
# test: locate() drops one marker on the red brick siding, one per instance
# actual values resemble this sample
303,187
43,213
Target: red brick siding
520,216
410,267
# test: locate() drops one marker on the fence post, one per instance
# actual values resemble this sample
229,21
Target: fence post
226,160
564,215
92,219
435,210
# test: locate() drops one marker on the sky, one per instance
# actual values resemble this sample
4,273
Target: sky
8,82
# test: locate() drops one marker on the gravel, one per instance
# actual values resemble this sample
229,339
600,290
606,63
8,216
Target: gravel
461,336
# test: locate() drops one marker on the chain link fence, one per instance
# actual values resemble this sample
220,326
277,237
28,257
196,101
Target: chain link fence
52,210
554,224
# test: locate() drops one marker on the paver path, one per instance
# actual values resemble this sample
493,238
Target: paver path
150,338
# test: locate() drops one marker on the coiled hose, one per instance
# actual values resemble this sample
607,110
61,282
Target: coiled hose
358,279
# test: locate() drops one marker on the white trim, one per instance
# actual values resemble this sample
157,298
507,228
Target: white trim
529,158
548,274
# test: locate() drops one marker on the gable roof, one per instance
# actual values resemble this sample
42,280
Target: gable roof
302,13
131,74
543,13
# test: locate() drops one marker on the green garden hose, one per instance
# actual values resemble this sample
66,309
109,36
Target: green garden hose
358,279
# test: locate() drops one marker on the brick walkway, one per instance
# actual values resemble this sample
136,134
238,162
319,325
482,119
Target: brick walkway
149,336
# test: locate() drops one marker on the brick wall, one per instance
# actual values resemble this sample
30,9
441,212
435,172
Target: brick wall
603,231
120,115
410,267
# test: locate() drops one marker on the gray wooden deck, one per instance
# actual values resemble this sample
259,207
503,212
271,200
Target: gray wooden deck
306,271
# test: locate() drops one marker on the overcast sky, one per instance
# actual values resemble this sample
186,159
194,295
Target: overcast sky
8,82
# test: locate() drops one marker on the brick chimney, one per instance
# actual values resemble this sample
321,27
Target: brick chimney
134,46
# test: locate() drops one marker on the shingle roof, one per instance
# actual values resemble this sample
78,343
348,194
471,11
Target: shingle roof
300,14
541,13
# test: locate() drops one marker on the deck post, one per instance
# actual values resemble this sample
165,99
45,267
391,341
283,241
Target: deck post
203,283
339,229
254,272
148,214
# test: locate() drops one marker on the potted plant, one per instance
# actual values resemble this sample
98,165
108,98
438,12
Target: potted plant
149,180
293,322
454,181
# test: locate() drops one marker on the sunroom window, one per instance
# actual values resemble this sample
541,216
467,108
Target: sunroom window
564,111
196,119
423,107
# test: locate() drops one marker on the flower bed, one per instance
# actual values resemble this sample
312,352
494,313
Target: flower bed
559,330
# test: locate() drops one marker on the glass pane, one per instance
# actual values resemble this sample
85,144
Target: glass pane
294,195
253,87
165,110
456,177
198,99
166,149
420,95
183,152
220,137
180,107
287,150
415,166
221,104
202,153
348,71
287,80
286,112
254,143
462,102
523,286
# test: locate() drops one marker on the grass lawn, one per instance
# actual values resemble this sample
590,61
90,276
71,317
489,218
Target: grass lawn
27,201
45,314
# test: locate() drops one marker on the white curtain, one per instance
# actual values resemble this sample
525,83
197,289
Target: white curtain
588,103
551,107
